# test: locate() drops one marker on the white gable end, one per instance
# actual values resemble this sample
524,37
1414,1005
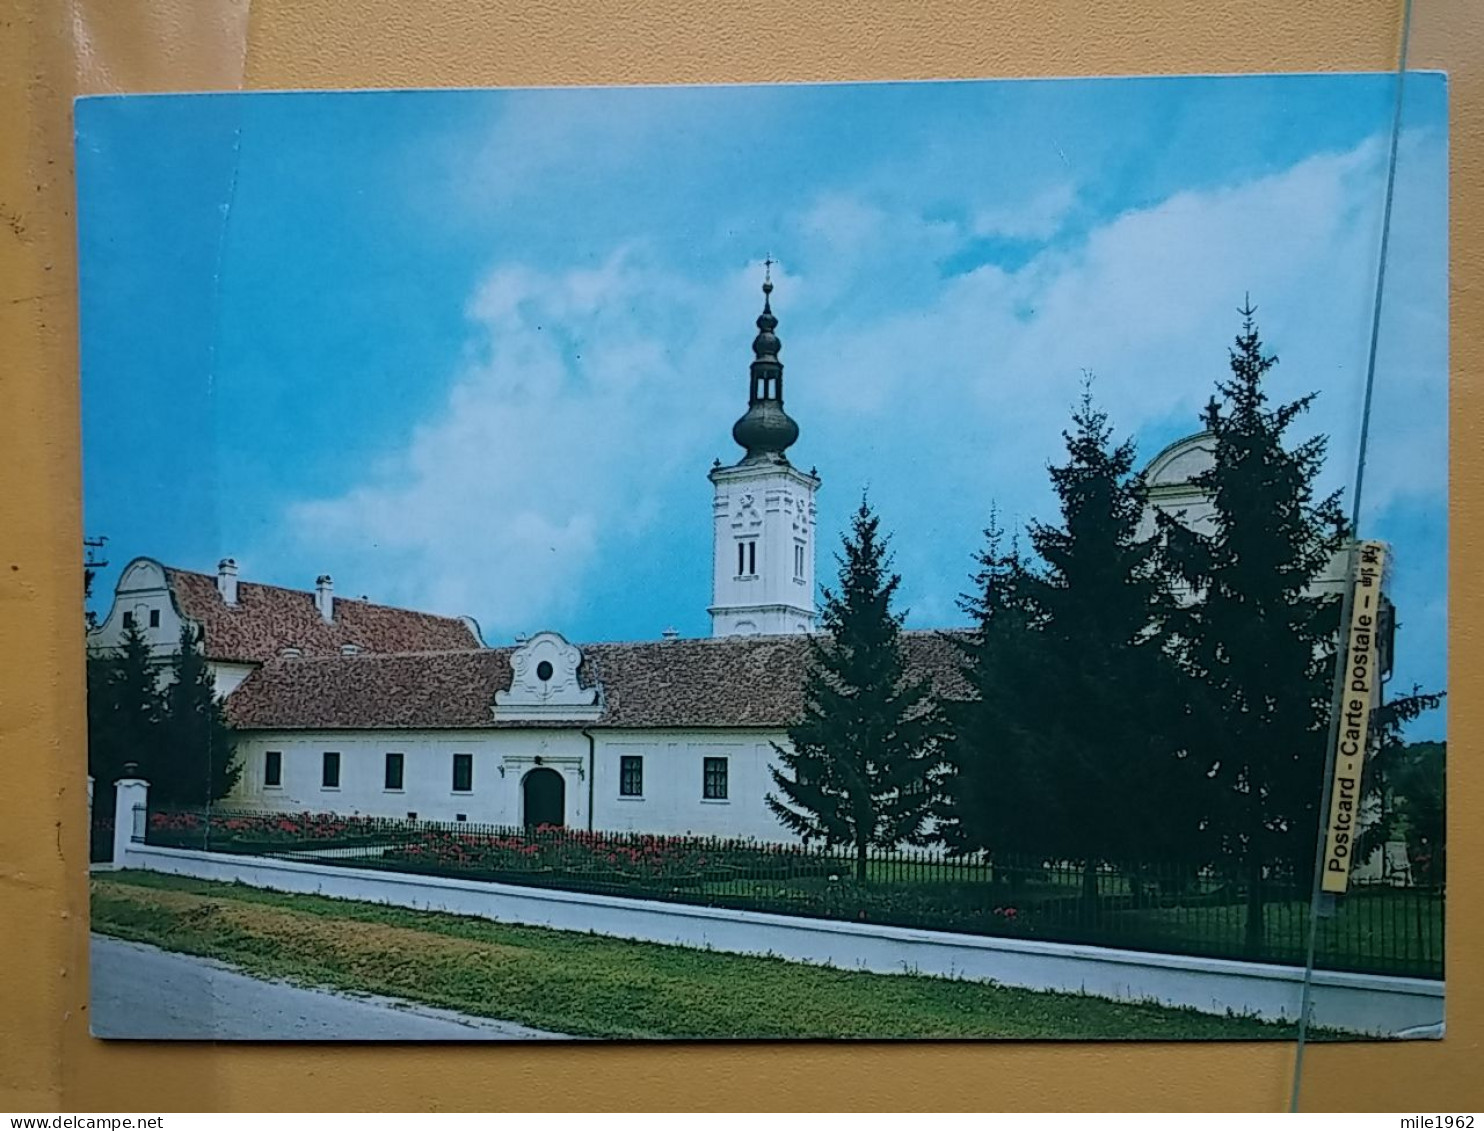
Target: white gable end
544,683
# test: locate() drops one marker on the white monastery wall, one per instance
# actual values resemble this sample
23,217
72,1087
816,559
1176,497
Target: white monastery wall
672,800
500,760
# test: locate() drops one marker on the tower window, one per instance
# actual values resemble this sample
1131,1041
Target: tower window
747,557
154,618
128,620
798,561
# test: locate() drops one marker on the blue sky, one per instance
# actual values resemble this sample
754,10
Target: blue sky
474,351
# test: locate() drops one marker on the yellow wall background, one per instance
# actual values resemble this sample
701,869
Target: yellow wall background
51,50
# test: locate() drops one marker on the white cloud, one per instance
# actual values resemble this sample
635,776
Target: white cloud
561,437
1148,302
535,138
1040,218
844,225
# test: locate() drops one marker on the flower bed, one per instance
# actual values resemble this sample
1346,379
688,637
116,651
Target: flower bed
970,907
718,873
600,858
225,831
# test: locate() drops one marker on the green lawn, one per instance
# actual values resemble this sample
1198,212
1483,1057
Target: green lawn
593,985
1385,929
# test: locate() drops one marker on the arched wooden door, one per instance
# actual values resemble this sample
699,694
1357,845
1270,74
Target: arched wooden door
545,798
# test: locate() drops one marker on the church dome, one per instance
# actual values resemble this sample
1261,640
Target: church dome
766,431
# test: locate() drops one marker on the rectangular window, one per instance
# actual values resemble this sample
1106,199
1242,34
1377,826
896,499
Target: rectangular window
752,558
329,772
129,617
799,561
463,773
394,771
273,768
154,618
714,779
631,775
741,569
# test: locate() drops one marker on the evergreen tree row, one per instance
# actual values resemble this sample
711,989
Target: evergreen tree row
1136,692
171,731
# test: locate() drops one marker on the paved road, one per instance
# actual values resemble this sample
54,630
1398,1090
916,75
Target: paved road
141,991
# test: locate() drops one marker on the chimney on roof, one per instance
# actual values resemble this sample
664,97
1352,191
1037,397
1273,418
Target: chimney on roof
671,634
324,597
226,580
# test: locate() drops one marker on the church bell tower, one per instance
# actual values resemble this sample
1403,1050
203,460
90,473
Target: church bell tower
763,511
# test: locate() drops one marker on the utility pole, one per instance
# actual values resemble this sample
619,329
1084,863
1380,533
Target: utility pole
92,562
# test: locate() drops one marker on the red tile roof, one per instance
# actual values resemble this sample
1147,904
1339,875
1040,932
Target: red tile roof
752,681
267,619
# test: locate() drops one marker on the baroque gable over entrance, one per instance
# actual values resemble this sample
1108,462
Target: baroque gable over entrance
544,683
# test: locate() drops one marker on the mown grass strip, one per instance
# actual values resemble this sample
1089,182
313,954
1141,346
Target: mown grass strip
597,986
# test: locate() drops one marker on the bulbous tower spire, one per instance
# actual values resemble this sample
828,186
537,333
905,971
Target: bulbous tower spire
765,430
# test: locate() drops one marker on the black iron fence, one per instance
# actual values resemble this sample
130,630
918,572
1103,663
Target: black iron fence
100,838
1200,909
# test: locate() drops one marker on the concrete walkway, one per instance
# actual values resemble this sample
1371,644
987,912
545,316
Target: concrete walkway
143,992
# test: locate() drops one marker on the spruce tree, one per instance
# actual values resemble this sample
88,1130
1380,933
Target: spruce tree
1101,601
1403,782
195,763
124,710
104,764
993,772
1254,632
1419,789
863,762
1063,745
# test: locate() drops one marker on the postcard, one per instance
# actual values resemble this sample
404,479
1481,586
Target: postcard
892,560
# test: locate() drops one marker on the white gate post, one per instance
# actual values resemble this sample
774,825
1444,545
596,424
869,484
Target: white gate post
128,826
